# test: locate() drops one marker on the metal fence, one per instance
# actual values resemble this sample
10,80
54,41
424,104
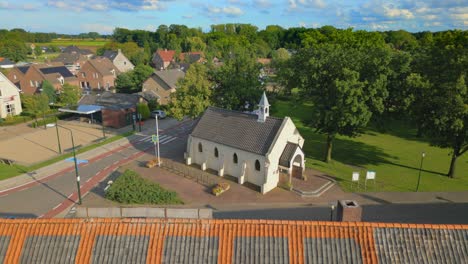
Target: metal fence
191,173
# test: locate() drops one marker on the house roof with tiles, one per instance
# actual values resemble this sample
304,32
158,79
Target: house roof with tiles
237,129
227,241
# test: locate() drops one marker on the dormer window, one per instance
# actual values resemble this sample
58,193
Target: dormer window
14,76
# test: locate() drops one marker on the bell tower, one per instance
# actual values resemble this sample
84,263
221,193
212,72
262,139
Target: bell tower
263,109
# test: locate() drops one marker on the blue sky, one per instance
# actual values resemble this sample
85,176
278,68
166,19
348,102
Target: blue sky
75,16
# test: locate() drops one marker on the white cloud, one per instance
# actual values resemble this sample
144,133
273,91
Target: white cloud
392,12
262,4
233,11
228,10
104,5
460,16
187,17
24,7
295,4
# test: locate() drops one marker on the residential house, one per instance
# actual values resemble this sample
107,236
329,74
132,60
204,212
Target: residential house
253,148
161,84
74,49
169,240
117,109
73,61
6,63
10,102
162,58
99,73
166,59
119,60
192,57
29,78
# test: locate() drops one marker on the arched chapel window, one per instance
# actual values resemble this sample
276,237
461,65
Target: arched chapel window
257,165
234,158
216,152
200,148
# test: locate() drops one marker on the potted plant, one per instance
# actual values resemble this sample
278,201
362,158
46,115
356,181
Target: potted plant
219,188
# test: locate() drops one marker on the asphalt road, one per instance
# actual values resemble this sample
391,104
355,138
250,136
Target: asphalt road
435,213
41,198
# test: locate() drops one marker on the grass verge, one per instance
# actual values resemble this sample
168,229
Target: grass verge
395,155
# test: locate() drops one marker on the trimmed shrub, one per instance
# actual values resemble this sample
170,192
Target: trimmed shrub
131,188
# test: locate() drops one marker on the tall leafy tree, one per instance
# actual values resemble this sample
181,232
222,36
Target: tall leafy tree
35,104
343,84
132,81
70,95
193,94
448,120
237,82
49,90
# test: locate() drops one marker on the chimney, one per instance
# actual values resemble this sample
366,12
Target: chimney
349,211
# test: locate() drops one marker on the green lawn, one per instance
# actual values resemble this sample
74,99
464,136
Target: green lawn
395,156
7,171
43,57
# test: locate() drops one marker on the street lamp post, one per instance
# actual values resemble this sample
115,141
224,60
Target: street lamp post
76,164
157,137
420,168
58,137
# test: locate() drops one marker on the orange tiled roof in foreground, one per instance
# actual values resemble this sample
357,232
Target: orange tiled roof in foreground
227,241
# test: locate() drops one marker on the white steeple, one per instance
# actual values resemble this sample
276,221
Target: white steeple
263,109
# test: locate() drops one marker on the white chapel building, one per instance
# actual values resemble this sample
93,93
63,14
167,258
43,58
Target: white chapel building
251,147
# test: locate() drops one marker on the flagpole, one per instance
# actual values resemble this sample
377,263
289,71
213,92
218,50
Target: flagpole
157,136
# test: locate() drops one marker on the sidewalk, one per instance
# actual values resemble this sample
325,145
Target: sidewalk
58,168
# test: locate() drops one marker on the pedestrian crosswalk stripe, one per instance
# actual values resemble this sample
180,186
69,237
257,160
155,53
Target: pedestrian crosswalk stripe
162,139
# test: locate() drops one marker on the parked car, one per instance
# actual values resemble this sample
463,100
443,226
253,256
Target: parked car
160,113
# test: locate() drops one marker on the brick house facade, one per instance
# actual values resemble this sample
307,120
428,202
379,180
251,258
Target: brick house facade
98,74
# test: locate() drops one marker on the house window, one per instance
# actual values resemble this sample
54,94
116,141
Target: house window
31,83
83,75
37,84
234,158
257,165
99,85
10,109
125,63
14,76
216,152
200,148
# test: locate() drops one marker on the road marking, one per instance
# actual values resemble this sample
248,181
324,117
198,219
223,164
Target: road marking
106,167
88,180
170,140
97,173
115,162
69,196
57,206
40,216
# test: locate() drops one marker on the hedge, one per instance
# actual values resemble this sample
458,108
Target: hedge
131,188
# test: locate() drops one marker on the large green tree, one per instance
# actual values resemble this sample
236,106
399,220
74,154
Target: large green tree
132,81
237,82
345,84
15,50
193,94
35,104
69,95
447,122
49,90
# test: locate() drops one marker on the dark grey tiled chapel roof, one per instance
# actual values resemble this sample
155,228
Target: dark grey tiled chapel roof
287,154
237,129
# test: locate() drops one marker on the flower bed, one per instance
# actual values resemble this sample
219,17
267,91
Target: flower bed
151,163
219,188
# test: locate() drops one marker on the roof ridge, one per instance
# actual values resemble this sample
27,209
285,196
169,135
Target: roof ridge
235,221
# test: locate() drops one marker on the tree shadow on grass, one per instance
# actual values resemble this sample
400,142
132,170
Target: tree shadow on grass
346,151
399,128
